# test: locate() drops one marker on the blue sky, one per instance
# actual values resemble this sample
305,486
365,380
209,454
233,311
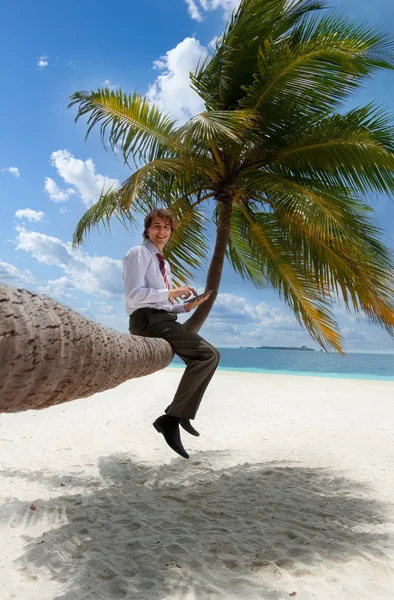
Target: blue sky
49,175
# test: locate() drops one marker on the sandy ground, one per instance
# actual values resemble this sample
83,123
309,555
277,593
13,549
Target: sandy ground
289,492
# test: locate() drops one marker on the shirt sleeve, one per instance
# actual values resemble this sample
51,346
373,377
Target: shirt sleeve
178,308
135,265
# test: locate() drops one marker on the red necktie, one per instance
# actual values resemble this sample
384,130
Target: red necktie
162,266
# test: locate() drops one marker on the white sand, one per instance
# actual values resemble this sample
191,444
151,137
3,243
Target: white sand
288,491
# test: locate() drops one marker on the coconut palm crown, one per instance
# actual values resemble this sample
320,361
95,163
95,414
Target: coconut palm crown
285,175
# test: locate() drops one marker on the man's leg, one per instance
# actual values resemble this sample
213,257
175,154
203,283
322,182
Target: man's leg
201,361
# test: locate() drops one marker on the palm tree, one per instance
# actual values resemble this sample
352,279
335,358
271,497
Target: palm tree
286,175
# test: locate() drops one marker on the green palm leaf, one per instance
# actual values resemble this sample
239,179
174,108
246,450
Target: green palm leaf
353,262
166,176
355,149
224,127
309,303
220,81
239,252
333,238
189,245
101,212
139,128
314,69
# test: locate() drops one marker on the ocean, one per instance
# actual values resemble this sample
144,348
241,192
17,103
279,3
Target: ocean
312,364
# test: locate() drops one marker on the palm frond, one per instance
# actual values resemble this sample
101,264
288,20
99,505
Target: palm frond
370,45
223,127
363,271
334,242
188,247
355,150
139,128
374,268
330,232
163,177
239,252
220,80
101,213
327,212
351,259
313,69
298,289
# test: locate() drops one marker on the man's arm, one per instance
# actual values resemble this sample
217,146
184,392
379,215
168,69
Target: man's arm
135,265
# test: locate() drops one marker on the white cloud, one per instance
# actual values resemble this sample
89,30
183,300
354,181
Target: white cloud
55,193
160,64
237,322
29,214
58,288
195,7
274,317
171,91
351,335
220,328
104,307
107,315
82,175
229,308
194,11
42,61
213,42
13,276
98,275
13,170
109,85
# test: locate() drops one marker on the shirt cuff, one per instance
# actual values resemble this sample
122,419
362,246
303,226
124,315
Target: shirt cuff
163,295
178,308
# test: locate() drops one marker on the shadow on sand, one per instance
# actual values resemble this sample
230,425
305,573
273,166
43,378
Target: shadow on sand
191,529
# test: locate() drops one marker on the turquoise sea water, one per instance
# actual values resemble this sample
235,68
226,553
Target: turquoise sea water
312,364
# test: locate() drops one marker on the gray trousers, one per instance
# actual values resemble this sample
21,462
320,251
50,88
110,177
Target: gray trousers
200,357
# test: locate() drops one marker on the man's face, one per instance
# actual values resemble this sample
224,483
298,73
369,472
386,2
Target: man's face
159,232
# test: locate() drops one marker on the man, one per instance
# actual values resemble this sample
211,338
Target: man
153,313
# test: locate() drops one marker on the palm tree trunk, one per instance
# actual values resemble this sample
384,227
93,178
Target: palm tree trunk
49,354
215,270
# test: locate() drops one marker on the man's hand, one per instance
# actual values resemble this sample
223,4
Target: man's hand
182,292
191,305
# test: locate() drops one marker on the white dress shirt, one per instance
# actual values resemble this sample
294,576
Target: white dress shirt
143,281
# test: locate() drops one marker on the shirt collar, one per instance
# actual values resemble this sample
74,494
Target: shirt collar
151,247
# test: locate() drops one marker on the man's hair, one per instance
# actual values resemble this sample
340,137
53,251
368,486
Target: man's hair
161,213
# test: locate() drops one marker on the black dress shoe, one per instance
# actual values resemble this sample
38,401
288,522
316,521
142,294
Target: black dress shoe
185,423
169,427
187,426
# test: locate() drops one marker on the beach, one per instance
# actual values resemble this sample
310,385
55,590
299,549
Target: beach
288,492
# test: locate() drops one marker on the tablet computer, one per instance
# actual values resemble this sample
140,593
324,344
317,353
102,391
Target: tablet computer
198,297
